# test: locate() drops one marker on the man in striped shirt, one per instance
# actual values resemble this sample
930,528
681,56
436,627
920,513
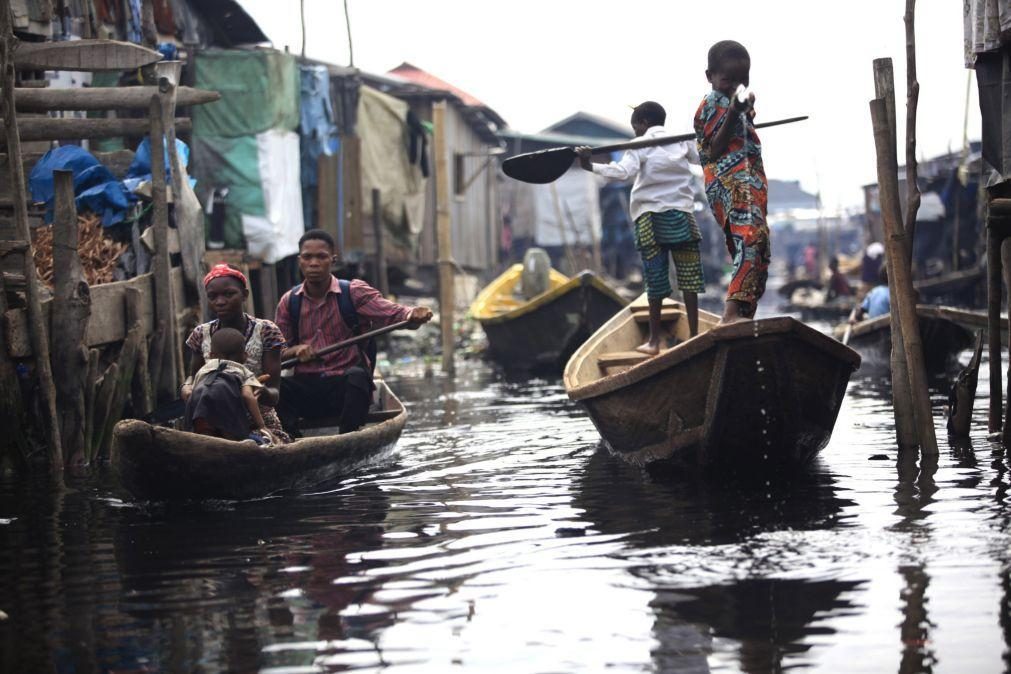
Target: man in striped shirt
338,384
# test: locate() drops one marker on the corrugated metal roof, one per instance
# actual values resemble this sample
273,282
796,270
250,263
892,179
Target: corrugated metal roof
415,74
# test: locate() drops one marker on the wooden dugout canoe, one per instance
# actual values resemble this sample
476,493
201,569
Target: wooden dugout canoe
944,331
155,463
542,332
767,390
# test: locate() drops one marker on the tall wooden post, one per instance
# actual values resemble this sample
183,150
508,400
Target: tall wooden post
71,314
901,279
36,319
905,425
382,278
993,304
444,235
912,100
168,381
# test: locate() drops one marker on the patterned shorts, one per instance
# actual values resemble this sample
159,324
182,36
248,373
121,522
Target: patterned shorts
671,234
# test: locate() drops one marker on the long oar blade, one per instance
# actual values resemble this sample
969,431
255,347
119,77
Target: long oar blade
545,166
540,167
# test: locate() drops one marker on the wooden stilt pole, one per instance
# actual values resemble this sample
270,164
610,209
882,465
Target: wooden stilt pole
12,411
1005,257
168,381
901,279
905,426
382,278
912,99
993,305
36,319
444,235
71,314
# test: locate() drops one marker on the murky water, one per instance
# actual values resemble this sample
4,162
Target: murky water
502,539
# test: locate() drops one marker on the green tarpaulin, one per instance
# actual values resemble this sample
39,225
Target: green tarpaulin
259,91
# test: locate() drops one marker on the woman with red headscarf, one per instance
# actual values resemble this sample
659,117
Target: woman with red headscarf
227,290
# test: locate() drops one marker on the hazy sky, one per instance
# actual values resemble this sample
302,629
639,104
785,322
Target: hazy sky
538,62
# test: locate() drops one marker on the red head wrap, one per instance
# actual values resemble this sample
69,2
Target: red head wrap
219,270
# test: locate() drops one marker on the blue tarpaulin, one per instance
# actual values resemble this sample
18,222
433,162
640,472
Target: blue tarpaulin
95,188
140,168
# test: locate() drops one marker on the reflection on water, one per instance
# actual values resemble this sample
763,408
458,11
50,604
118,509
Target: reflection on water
503,538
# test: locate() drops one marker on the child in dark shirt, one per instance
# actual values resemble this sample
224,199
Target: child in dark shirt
223,400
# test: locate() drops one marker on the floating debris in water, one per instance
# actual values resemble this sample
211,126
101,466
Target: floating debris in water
569,532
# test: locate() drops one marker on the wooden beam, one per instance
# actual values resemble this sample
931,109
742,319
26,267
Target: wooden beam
900,279
168,384
382,278
12,411
72,308
103,98
83,55
444,235
905,425
37,326
53,128
108,320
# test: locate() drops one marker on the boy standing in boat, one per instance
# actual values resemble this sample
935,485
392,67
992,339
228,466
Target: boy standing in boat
731,154
338,384
222,401
661,205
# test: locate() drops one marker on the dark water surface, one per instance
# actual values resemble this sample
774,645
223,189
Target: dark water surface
503,539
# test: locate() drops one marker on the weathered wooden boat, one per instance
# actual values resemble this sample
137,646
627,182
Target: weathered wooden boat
812,305
763,391
943,331
543,331
156,463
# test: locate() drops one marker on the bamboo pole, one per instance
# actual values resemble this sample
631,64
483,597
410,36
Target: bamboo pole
444,235
71,314
382,277
905,425
168,384
912,100
901,279
36,319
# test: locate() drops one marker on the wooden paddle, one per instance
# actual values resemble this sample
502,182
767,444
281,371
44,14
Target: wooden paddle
849,324
545,166
365,336
176,408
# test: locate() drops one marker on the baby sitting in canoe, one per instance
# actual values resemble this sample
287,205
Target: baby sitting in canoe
223,401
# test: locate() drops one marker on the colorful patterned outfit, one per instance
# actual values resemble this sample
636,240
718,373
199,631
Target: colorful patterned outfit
738,194
674,232
661,205
261,335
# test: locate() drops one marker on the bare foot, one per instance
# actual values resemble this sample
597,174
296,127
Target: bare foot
648,348
727,320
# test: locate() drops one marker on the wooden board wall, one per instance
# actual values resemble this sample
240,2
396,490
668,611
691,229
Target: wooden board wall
108,313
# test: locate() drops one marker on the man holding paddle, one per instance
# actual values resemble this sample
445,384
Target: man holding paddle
323,311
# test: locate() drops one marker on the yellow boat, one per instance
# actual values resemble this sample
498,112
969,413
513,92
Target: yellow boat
543,331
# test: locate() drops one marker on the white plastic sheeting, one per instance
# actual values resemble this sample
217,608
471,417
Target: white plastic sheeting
563,213
275,235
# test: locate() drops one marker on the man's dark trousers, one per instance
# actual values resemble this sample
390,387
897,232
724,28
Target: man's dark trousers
310,396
